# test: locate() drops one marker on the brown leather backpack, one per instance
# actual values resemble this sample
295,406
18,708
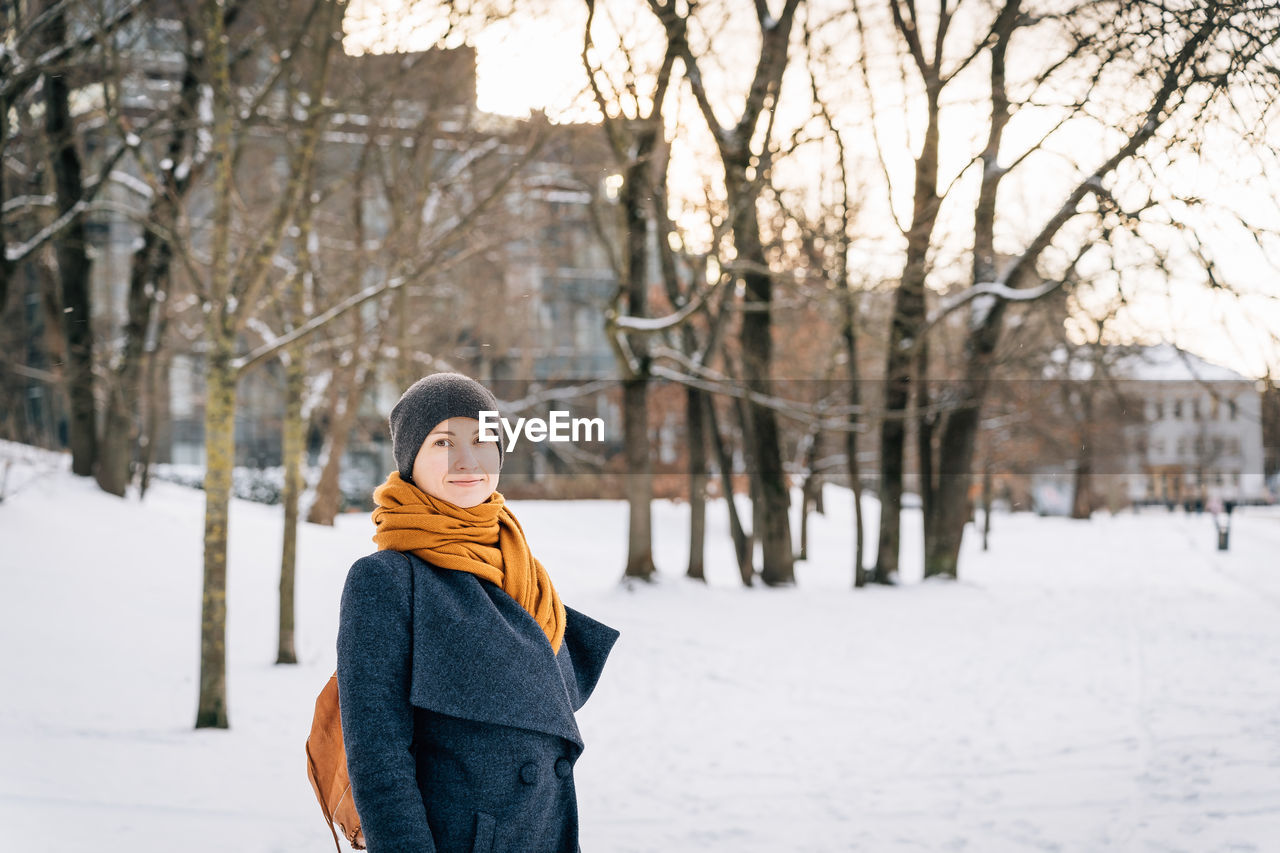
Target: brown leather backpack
327,768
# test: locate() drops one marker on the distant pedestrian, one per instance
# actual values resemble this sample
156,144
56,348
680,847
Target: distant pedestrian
459,668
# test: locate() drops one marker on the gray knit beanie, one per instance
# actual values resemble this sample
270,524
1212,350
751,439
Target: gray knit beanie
425,404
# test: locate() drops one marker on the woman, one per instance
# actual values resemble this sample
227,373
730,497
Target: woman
459,669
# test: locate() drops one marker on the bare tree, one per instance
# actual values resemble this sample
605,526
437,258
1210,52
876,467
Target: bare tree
170,162
231,289
1203,53
836,236
634,125
384,229
744,168
1086,52
926,57
71,249
423,200
40,64
36,46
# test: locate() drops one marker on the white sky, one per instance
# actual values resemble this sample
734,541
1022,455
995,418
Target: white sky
531,60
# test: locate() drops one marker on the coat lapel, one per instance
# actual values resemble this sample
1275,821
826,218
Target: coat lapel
582,654
480,656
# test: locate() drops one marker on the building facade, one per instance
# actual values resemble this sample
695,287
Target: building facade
1201,437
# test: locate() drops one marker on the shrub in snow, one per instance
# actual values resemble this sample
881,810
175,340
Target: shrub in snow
266,485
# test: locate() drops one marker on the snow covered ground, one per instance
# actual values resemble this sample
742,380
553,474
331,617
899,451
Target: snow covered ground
1111,685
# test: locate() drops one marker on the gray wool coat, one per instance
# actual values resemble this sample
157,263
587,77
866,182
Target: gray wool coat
457,717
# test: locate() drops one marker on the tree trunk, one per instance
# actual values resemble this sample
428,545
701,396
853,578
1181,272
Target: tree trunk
219,447
157,365
697,483
805,502
960,429
849,335
892,444
811,492
926,424
294,428
778,566
220,391
905,328
742,542
753,472
855,479
986,505
328,500
1082,501
73,267
294,446
6,265
148,277
639,479
231,298
959,436
121,428
635,387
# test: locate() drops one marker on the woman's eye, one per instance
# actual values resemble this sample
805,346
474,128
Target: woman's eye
442,442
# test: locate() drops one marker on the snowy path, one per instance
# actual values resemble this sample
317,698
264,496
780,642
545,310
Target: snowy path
1103,686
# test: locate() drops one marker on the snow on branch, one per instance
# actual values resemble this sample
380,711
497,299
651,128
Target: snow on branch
456,169
995,290
550,395
13,254
803,413
137,186
355,300
764,16
19,74
651,325
24,202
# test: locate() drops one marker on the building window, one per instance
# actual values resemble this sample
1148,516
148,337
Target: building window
1231,410
1195,408
1177,410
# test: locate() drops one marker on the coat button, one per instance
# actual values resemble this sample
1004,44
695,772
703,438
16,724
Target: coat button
563,767
529,773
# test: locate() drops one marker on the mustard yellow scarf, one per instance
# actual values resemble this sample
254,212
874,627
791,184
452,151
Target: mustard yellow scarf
485,540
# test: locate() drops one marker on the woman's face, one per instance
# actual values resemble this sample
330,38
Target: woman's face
454,465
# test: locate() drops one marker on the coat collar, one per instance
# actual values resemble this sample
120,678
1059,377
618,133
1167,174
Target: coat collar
479,655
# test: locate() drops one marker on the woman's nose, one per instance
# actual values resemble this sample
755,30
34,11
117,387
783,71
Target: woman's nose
464,458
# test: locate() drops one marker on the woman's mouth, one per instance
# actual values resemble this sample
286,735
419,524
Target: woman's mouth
475,481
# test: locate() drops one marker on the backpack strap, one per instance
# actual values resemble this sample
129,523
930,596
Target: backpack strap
328,818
